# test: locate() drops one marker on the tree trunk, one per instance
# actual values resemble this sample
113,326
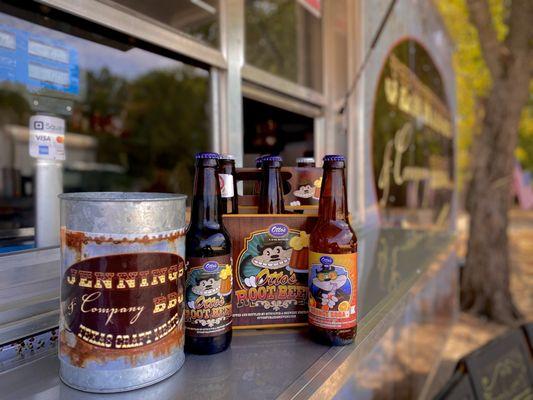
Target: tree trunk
485,286
485,281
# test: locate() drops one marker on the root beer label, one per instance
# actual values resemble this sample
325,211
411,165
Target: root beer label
123,301
333,290
208,293
272,275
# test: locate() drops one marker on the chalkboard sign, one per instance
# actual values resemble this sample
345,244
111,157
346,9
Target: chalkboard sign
502,369
457,388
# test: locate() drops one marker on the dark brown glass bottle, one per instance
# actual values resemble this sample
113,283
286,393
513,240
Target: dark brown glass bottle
257,184
228,184
271,193
333,262
305,162
209,279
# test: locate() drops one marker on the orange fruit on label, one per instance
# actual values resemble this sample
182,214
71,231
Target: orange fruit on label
344,306
312,302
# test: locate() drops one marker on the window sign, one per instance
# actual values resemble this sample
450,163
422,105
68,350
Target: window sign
412,140
38,62
47,137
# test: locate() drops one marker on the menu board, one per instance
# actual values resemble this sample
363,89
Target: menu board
412,140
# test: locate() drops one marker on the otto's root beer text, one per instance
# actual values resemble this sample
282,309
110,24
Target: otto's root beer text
209,284
333,262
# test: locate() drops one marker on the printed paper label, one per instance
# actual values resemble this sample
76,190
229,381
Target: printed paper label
333,290
208,296
123,301
47,137
226,185
271,276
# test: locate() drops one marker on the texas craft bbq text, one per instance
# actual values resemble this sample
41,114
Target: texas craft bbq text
103,281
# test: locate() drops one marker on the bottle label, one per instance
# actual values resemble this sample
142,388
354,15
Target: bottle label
333,290
226,185
109,299
208,292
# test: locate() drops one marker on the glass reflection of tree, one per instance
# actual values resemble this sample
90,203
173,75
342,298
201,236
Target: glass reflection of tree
152,125
167,118
14,108
271,36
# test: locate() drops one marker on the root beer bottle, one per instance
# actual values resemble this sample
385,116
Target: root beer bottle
208,287
333,262
271,192
228,184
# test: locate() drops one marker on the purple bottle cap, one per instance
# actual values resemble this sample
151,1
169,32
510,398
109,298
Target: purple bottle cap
334,157
272,158
207,155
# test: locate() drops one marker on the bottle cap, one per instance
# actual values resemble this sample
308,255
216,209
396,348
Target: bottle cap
272,158
227,157
334,157
207,156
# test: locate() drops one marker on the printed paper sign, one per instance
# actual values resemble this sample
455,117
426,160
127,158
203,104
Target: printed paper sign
47,137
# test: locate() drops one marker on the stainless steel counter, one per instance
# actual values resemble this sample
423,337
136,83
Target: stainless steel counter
407,297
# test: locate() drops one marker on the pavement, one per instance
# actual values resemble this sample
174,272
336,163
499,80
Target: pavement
471,332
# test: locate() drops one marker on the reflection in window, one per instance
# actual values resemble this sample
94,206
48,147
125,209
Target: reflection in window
285,38
134,119
412,141
197,18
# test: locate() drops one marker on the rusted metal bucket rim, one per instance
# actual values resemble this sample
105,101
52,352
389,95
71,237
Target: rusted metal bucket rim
121,196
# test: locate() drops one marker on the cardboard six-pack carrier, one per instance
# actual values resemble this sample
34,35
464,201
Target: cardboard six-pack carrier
270,252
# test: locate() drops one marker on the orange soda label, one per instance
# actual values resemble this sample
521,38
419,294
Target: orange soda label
333,290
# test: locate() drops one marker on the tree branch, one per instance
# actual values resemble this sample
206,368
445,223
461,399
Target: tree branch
520,33
491,48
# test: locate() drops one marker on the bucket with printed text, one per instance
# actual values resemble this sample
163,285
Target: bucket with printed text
121,321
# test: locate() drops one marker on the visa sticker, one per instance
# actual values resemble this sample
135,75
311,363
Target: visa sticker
47,137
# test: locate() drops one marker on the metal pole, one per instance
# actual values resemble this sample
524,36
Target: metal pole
48,185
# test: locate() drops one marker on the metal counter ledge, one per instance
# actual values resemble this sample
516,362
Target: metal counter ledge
407,304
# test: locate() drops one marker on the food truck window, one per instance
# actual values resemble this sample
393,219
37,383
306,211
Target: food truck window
412,141
133,119
284,37
198,19
272,130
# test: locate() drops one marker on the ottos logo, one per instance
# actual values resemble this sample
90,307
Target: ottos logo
278,230
211,266
325,260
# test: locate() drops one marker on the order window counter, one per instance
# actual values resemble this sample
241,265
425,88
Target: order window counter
407,305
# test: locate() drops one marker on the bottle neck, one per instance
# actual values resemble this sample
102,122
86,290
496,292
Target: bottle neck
333,206
271,195
206,206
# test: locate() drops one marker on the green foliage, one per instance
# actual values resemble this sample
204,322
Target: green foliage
473,81
162,122
271,36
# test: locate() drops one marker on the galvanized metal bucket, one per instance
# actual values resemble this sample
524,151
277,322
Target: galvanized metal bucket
122,257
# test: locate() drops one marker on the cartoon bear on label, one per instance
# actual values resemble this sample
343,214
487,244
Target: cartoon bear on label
305,191
330,287
272,256
207,285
